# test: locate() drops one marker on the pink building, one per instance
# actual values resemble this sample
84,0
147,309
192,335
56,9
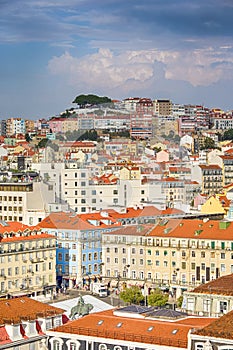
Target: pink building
56,124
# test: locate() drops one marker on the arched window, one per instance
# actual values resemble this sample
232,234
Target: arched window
56,343
102,347
73,344
199,346
117,348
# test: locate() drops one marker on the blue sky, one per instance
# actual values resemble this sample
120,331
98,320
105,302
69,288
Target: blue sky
52,51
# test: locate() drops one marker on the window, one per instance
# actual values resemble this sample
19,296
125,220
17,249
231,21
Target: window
199,346
102,347
183,265
223,307
193,254
223,268
67,257
56,342
193,266
206,305
203,266
73,257
223,256
202,254
133,250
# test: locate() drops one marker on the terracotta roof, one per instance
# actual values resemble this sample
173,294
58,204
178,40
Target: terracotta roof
17,309
222,285
196,229
29,237
139,230
13,226
210,166
220,328
179,169
106,325
76,222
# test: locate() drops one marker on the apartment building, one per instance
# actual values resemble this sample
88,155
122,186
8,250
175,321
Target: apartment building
130,103
26,202
79,248
163,107
112,122
15,126
141,124
176,254
27,260
210,177
227,161
221,121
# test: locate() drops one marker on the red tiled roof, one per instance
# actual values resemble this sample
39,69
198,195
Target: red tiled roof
196,229
14,310
210,166
77,222
29,237
222,286
173,334
220,328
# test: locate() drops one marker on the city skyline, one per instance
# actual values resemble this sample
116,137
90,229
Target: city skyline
51,53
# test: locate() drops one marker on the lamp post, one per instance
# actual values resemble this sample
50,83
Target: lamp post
124,272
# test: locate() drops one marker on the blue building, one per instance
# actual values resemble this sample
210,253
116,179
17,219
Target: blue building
79,246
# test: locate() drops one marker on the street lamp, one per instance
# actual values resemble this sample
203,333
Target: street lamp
124,272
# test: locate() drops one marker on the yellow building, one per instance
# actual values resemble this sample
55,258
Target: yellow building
174,254
212,206
130,173
27,260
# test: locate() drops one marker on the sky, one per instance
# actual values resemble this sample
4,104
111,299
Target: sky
52,51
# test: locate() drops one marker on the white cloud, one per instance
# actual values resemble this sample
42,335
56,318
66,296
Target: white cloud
131,69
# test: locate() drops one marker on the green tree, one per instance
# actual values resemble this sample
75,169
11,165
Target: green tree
27,137
84,100
228,134
208,143
180,301
42,143
132,295
157,298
